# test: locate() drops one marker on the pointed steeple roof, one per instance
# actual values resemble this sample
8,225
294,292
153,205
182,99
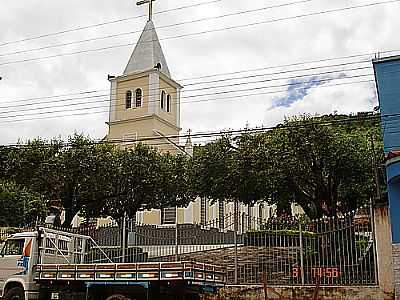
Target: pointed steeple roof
147,53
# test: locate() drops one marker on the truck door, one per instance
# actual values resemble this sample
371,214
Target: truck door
10,257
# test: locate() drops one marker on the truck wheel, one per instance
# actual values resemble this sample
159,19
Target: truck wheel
118,297
15,294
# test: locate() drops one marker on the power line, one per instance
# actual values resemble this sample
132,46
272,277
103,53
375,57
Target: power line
105,111
368,116
231,98
151,91
209,88
207,31
104,23
158,27
281,72
230,73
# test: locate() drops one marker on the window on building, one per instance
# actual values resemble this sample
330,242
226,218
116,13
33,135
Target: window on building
139,97
203,211
261,212
243,222
162,100
168,103
128,100
168,216
250,217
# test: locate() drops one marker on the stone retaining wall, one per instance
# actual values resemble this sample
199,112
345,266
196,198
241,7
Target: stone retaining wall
300,293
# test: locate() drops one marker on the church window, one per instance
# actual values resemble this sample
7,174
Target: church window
261,212
139,97
168,216
162,100
168,103
203,211
128,100
250,216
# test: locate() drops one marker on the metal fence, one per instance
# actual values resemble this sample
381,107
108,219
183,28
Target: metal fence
282,251
328,251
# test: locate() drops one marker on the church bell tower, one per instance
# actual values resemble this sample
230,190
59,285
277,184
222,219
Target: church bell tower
145,100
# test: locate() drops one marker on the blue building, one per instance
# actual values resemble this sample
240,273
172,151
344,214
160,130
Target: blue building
387,77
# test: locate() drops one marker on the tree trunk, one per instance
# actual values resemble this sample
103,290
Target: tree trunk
69,216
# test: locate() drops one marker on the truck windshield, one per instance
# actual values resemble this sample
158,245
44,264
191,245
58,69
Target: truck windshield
13,247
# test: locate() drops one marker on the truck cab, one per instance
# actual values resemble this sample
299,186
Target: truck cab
17,257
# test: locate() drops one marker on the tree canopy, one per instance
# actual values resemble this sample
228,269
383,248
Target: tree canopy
19,206
98,179
325,168
323,164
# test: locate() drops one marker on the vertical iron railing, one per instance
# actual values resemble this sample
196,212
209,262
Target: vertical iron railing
288,251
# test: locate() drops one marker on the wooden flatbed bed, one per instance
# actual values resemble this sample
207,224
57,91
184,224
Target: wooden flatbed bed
190,272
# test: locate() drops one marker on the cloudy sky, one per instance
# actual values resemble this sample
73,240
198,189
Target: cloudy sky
273,87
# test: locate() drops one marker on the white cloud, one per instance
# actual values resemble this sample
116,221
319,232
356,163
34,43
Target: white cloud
328,99
317,37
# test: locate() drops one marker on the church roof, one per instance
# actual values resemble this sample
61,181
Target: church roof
147,53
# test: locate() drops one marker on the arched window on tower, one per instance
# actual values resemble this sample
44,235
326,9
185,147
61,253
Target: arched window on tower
128,100
139,97
162,100
168,103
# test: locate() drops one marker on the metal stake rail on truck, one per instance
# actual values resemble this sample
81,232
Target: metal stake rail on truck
52,264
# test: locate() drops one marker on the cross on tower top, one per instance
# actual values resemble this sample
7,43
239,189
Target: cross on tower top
150,2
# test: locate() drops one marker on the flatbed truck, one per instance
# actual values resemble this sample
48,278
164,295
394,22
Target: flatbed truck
53,264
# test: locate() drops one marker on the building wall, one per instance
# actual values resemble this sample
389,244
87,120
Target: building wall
300,293
396,269
149,120
131,83
171,116
145,128
387,74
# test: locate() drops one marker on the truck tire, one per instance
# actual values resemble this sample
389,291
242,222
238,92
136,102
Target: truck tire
118,297
16,293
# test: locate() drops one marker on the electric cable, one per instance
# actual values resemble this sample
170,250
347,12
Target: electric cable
158,27
104,23
204,32
24,104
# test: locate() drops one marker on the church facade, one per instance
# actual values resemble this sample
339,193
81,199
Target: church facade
145,106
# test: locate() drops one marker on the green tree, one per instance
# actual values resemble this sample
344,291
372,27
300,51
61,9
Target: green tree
174,185
325,168
33,165
225,170
83,172
142,178
19,206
